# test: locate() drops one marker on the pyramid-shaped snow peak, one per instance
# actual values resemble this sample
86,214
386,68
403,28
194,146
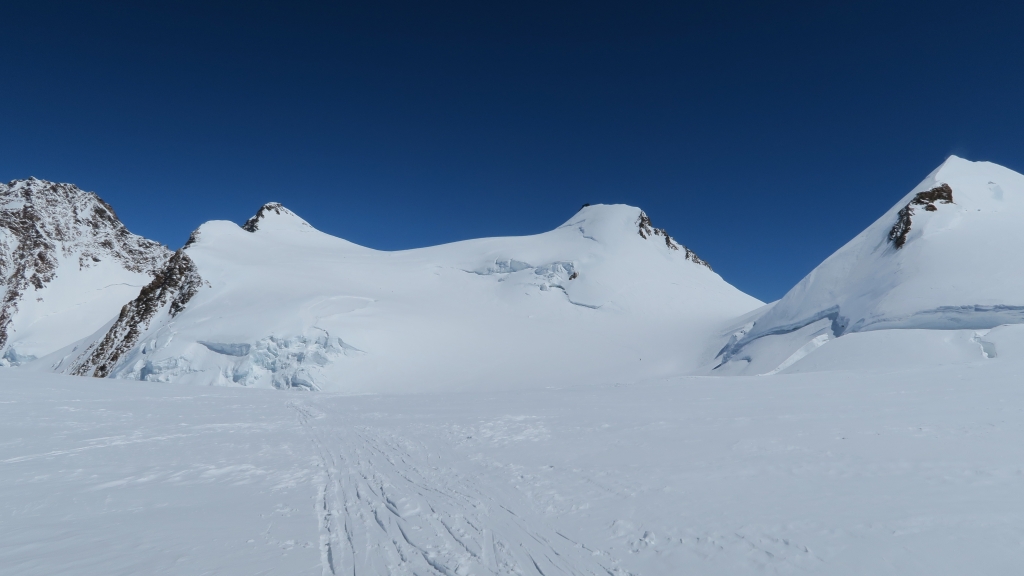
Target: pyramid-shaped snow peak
67,264
946,256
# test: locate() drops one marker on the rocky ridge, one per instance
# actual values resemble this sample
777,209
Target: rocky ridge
253,224
172,287
46,225
647,230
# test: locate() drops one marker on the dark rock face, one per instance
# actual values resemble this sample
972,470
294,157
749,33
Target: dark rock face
40,221
253,224
192,238
940,194
647,230
172,286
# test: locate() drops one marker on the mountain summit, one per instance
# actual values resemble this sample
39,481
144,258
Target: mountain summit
273,215
945,257
67,264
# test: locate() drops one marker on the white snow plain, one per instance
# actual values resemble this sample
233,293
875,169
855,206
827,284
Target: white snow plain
893,471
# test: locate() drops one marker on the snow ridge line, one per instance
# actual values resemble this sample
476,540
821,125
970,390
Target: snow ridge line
647,230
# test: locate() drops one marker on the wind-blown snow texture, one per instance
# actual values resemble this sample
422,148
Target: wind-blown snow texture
604,297
67,264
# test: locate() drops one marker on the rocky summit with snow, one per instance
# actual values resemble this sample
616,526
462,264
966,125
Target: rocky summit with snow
592,400
67,265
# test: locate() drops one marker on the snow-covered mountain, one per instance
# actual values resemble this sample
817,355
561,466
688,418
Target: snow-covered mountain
67,265
604,297
946,257
904,438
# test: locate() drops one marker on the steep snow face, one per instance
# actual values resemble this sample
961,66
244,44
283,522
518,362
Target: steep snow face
280,304
67,264
944,257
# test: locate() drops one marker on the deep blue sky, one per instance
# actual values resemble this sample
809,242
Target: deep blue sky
762,136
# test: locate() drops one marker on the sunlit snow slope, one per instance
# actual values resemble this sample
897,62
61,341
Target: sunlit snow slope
604,297
945,257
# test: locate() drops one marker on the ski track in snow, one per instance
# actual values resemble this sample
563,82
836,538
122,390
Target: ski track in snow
915,472
388,506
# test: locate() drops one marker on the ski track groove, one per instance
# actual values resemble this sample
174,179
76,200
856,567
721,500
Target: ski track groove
404,513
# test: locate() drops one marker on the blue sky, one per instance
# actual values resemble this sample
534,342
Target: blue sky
762,136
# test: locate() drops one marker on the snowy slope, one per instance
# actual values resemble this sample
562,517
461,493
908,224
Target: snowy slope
604,297
67,265
945,257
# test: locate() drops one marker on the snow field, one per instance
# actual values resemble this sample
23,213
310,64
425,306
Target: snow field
907,472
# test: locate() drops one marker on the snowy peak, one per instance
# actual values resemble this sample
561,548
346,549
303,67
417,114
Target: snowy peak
274,216
272,225
51,231
945,257
49,214
620,222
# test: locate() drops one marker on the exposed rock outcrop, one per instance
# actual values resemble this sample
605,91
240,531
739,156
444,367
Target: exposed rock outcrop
940,194
253,224
647,230
172,287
